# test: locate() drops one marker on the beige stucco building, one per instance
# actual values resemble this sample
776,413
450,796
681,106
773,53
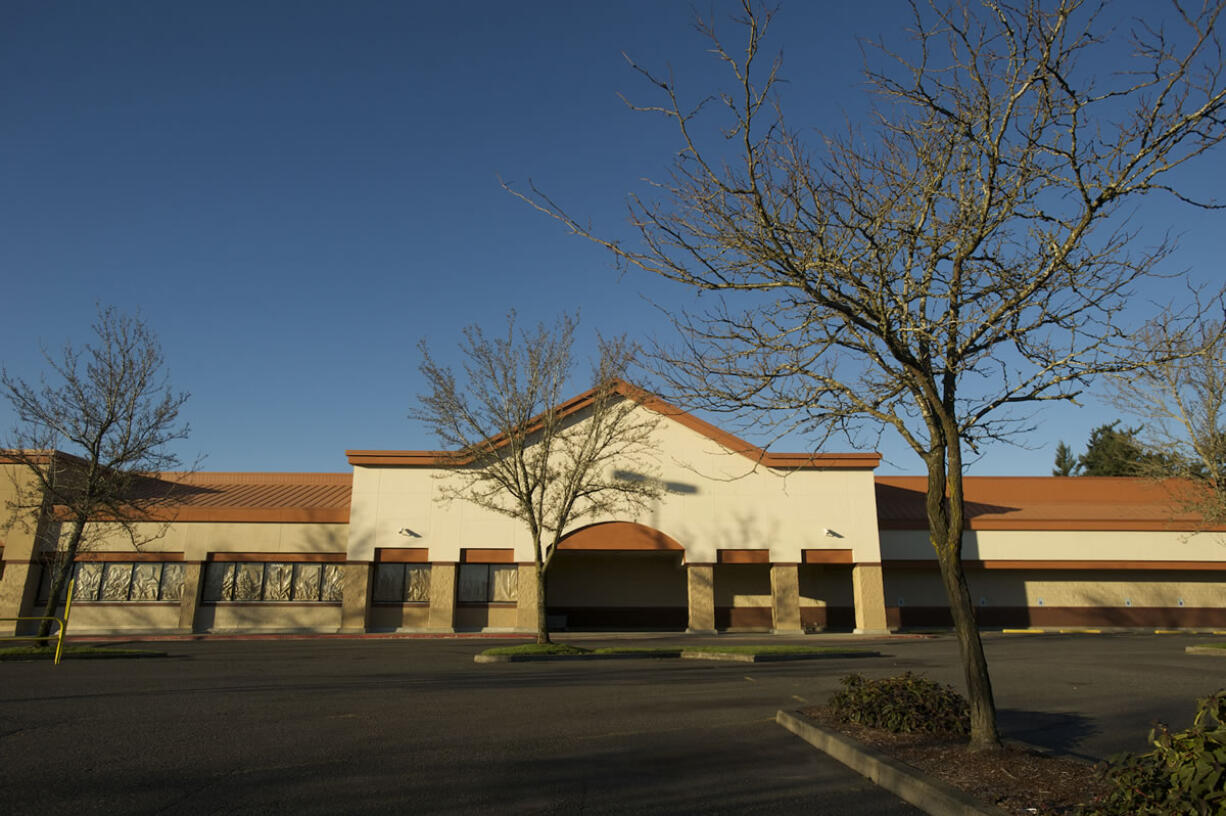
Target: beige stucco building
739,539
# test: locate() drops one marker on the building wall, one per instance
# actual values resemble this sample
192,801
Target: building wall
760,549
198,539
1078,578
715,500
266,617
200,543
1072,544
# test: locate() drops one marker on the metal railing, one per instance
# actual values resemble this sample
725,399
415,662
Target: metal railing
59,635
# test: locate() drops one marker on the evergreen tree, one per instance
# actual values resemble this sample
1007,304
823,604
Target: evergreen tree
1066,462
1113,451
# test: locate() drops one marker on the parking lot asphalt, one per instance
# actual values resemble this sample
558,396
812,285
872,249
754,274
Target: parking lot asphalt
414,726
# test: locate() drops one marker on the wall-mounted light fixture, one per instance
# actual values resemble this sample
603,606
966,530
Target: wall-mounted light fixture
405,531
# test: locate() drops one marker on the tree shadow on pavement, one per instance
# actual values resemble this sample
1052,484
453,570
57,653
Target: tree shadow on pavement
1061,732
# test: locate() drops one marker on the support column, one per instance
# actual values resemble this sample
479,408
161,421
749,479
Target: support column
355,597
785,599
189,602
525,605
701,581
442,597
868,590
18,592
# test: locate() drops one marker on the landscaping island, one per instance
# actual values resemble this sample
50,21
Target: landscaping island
528,652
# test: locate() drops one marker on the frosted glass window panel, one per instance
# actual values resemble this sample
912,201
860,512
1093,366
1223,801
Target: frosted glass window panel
278,582
474,583
145,581
219,582
389,583
88,582
417,583
505,581
306,582
248,581
172,582
116,579
333,582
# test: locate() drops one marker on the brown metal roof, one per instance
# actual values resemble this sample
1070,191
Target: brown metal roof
285,497
1042,503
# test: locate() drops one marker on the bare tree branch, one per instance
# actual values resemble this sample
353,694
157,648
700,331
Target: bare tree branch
1182,405
968,255
520,450
91,441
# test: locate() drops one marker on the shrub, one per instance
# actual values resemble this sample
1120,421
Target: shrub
1185,773
907,703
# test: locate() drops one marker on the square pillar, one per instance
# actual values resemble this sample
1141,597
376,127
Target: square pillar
525,604
785,599
355,596
442,597
701,584
18,592
189,602
868,590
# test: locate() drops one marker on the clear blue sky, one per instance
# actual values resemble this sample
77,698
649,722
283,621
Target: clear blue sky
293,193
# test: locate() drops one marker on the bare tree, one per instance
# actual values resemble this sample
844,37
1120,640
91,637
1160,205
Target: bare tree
1182,405
519,450
961,257
92,440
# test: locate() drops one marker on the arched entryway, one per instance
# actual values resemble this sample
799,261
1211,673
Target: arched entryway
618,576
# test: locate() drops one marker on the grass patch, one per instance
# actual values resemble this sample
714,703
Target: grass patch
777,650
538,649
73,653
1211,645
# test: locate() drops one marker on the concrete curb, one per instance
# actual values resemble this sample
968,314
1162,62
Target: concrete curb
530,658
686,654
225,636
929,795
1205,650
699,654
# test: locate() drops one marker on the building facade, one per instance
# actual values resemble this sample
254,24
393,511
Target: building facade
739,540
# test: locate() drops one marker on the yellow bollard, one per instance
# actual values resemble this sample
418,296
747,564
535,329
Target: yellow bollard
59,642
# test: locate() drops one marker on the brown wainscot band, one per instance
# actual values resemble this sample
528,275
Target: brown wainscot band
142,557
407,555
487,556
743,557
827,557
279,557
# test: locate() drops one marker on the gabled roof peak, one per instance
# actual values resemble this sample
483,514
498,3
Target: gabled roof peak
733,443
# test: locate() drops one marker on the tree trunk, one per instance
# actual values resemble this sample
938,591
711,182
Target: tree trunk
542,618
946,521
60,577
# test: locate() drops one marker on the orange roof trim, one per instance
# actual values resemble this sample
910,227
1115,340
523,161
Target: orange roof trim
783,461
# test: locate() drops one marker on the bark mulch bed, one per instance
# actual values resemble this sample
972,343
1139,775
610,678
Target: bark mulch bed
1014,779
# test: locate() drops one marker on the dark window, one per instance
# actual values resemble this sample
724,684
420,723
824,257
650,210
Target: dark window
488,583
271,581
402,583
